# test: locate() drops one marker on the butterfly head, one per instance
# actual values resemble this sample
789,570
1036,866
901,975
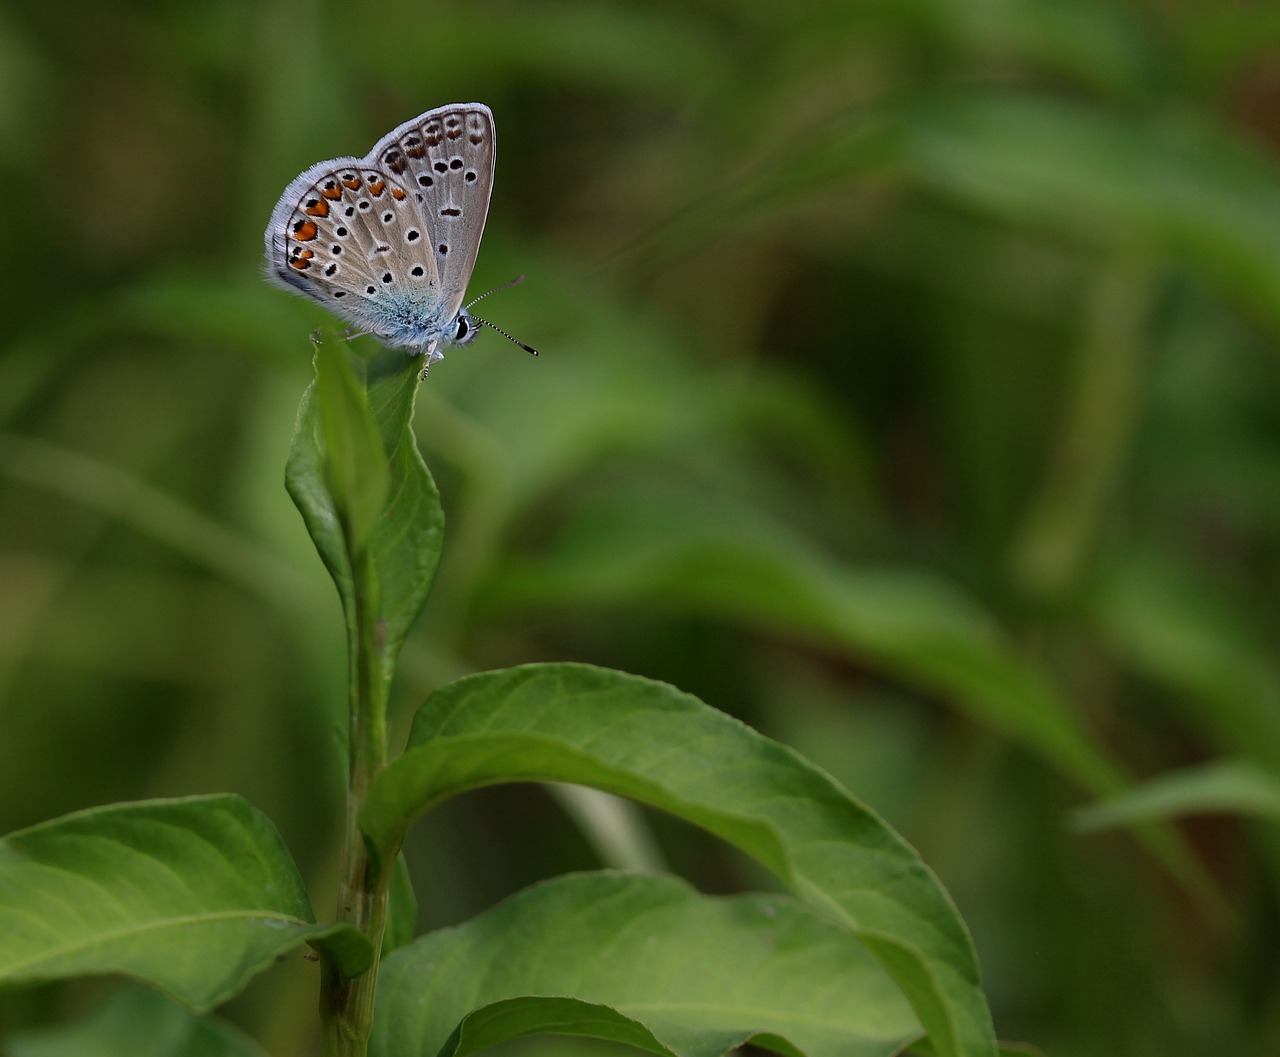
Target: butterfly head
463,330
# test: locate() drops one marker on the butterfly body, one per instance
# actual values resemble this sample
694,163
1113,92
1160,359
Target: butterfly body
388,241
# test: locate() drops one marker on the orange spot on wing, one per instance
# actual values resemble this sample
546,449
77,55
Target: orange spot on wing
305,230
353,183
397,193
332,190
377,187
302,261
318,208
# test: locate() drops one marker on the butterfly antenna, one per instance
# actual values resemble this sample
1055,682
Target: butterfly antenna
515,341
514,282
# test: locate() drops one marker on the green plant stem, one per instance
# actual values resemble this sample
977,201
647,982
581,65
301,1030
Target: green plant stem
347,1005
1099,417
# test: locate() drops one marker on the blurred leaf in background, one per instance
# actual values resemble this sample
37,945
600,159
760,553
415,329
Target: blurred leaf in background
908,389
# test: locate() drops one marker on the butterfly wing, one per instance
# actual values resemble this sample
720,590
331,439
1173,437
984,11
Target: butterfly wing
353,238
388,241
446,156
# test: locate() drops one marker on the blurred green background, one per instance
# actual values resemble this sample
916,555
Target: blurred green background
909,389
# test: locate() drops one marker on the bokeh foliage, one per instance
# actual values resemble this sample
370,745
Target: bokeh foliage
908,389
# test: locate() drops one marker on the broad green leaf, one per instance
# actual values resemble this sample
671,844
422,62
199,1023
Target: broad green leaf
625,549
136,1022
645,960
406,541
1226,787
355,466
194,896
653,743
518,1018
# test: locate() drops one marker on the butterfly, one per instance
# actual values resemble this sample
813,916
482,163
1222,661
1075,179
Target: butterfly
388,241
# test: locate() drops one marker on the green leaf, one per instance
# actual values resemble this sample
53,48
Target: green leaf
644,960
624,549
518,1018
136,1022
194,896
1185,186
651,742
1005,1049
355,466
731,562
1173,625
406,540
402,909
1225,787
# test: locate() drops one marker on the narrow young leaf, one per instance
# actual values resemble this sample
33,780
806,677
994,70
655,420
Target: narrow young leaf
136,1022
407,536
355,466
194,896
402,909
1233,787
651,742
645,960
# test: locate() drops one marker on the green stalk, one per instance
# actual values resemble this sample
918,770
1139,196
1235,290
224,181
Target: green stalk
346,1006
1099,417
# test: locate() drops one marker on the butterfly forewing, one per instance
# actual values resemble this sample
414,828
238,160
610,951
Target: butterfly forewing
447,156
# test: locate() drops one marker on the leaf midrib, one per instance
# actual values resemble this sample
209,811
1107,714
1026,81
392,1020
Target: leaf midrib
156,925
751,1012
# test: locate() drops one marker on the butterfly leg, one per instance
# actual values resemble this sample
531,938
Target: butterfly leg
430,354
